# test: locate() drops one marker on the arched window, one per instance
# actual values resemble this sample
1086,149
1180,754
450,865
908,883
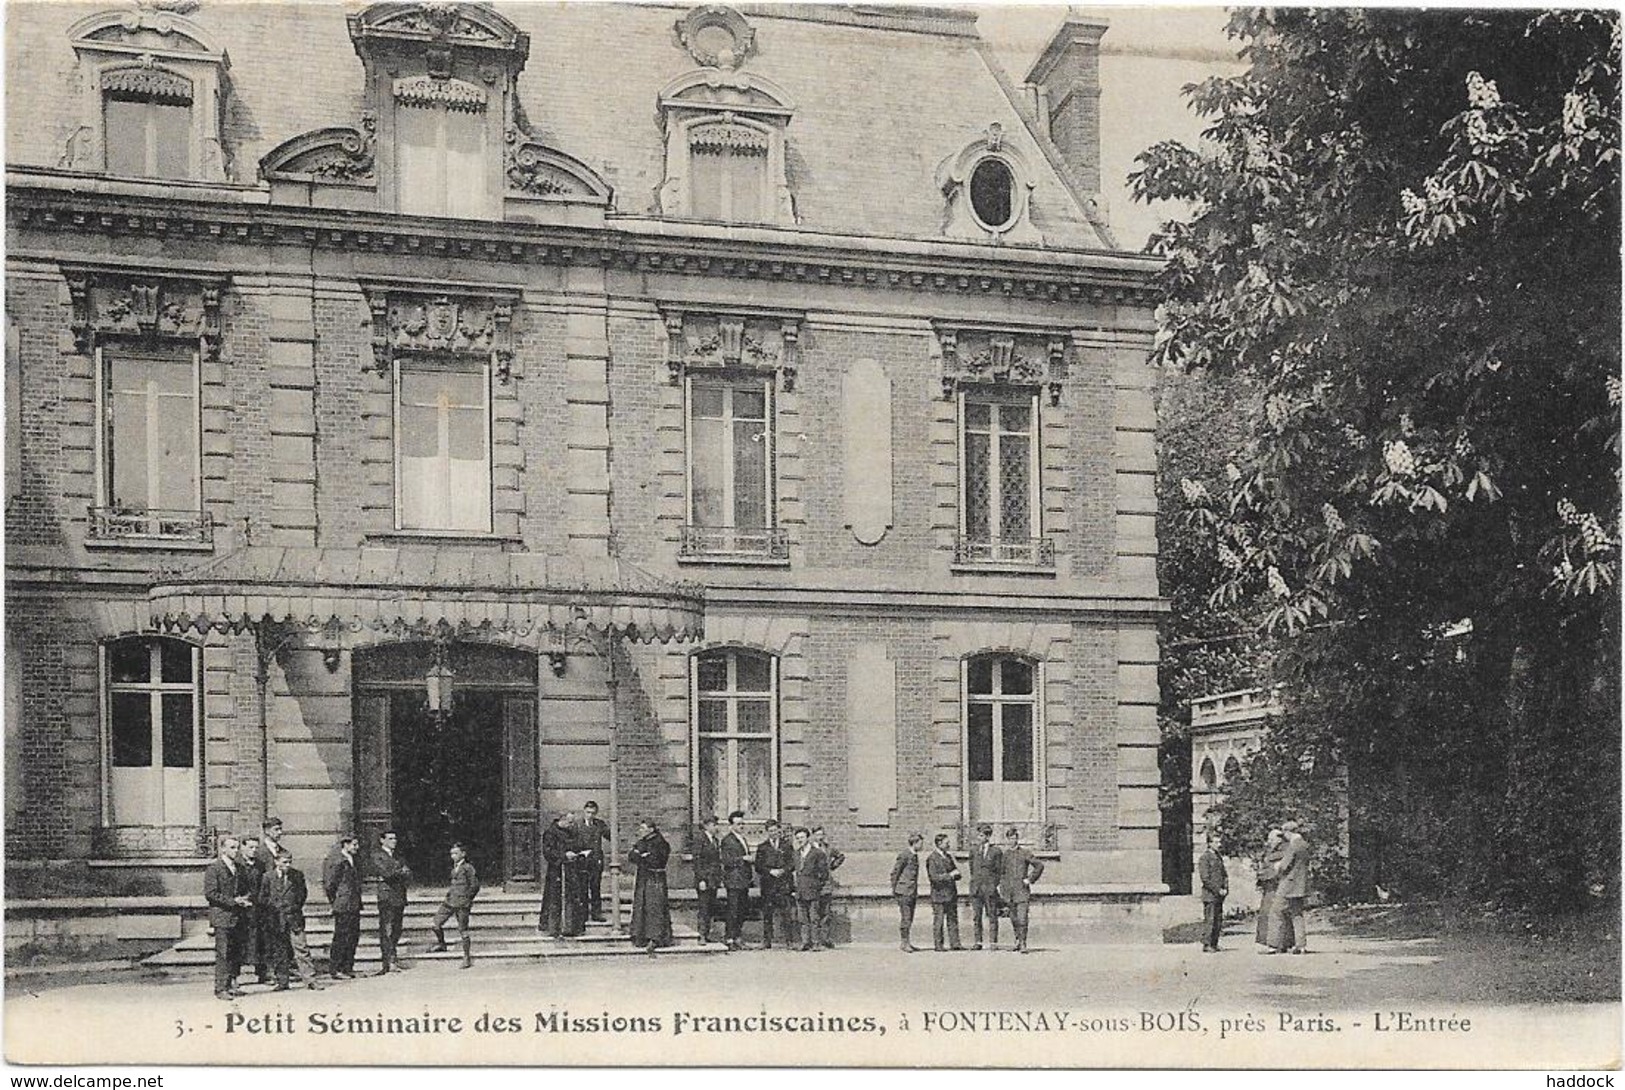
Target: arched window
1207,776
1002,732
735,725
152,94
1232,770
151,720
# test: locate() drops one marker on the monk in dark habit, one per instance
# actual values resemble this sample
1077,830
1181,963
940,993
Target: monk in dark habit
563,904
651,914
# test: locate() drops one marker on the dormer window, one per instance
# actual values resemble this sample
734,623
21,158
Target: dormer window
725,144
147,123
988,187
442,132
152,83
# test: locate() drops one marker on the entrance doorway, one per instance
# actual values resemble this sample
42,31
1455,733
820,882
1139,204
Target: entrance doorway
463,772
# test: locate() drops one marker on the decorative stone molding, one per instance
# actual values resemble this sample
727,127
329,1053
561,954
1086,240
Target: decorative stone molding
454,94
990,171
540,171
717,37
764,343
331,155
442,323
718,111
149,83
461,57
143,306
152,54
982,356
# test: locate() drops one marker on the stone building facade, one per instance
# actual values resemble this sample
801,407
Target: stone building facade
432,415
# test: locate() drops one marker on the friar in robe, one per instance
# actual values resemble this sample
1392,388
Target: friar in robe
563,904
651,913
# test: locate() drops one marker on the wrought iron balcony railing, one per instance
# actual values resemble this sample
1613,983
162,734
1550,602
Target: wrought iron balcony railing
1037,552
121,523
751,542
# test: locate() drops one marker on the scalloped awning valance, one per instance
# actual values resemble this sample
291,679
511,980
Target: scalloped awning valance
419,591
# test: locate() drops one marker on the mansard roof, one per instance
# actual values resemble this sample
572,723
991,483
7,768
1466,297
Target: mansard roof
916,88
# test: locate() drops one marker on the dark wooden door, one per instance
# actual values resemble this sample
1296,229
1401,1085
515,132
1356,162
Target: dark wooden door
521,817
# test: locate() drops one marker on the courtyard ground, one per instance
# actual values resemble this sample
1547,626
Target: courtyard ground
1370,993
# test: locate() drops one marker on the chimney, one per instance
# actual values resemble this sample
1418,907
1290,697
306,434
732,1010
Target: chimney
1066,93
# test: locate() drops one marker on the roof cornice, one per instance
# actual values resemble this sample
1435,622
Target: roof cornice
632,243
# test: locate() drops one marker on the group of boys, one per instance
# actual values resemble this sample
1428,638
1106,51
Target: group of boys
1001,881
256,899
796,877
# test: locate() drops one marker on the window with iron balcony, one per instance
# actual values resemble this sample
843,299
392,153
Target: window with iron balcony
147,337
999,381
731,368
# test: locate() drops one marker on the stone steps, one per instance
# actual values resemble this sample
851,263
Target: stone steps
503,927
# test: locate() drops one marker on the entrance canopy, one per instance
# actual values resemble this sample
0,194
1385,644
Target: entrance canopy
415,592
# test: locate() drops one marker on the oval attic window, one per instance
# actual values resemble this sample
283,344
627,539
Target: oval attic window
992,189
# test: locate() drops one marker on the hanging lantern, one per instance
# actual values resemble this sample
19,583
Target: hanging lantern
439,679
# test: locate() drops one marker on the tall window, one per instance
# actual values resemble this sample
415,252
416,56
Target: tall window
151,731
442,446
1001,709
147,123
150,451
730,467
999,489
441,160
735,708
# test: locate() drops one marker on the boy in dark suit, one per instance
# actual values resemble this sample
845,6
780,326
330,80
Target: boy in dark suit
943,874
249,873
905,886
228,908
282,912
707,874
594,834
1020,870
812,872
985,861
775,873
341,881
736,876
393,876
460,894
1215,886
826,897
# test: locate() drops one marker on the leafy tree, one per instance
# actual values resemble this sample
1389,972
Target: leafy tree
1405,241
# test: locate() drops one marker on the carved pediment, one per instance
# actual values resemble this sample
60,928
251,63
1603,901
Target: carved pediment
146,29
699,340
547,172
143,306
442,323
713,90
980,356
452,23
338,154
